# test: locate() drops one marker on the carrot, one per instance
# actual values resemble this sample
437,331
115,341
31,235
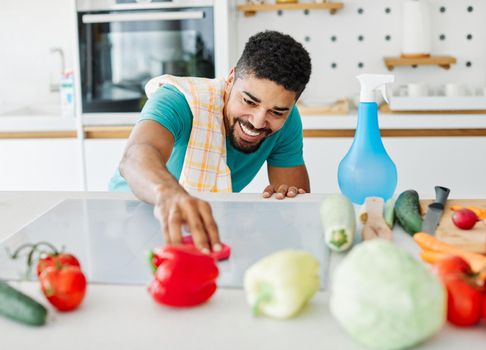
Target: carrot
480,212
428,242
431,257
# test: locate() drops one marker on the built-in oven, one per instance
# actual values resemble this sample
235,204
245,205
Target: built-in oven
124,43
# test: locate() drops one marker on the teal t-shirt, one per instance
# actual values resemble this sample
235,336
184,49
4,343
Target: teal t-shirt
169,107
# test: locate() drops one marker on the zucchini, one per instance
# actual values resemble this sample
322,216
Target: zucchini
338,220
407,211
20,307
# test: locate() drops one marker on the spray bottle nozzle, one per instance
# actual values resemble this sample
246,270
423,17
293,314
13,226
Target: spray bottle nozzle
371,82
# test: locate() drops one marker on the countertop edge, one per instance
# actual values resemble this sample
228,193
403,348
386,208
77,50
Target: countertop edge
314,126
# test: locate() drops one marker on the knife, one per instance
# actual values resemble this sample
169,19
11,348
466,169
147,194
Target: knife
434,213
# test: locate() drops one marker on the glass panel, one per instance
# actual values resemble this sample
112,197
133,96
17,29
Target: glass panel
111,238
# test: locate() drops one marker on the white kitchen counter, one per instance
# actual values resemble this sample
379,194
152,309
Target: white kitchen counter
125,317
325,122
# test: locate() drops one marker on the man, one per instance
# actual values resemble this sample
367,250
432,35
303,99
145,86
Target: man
255,118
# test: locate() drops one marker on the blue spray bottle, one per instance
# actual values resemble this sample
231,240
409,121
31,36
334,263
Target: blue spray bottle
367,170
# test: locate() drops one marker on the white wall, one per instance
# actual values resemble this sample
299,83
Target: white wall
28,28
374,23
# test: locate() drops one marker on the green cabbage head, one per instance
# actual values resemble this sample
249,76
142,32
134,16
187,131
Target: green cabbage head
384,298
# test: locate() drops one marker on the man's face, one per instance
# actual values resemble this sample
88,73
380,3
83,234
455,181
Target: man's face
254,109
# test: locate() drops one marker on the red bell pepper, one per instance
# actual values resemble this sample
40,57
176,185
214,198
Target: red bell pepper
184,276
223,254
464,294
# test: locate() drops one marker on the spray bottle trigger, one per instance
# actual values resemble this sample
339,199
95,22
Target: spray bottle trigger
383,91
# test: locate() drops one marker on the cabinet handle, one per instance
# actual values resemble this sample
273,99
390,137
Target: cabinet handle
140,17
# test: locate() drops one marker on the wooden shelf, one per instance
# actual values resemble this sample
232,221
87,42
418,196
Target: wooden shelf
441,61
251,10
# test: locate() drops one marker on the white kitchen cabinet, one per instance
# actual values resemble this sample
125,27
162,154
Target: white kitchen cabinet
102,158
322,156
455,162
40,164
54,164
422,162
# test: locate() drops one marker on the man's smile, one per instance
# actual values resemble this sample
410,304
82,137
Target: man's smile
248,132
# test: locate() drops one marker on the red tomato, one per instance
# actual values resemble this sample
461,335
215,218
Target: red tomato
464,302
56,260
64,287
484,309
464,296
452,265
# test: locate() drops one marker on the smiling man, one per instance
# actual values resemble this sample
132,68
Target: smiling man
199,134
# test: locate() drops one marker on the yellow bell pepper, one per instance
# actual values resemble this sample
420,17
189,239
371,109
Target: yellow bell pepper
279,285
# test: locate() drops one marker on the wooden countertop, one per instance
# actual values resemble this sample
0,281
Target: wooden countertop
121,132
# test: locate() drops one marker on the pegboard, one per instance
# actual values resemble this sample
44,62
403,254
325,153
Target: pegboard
357,37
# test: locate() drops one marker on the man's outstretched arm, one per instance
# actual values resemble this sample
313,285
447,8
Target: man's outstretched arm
143,166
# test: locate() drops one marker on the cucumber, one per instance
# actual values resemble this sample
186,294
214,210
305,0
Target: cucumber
407,211
338,220
20,307
389,213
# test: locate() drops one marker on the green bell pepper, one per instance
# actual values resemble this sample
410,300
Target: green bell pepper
279,285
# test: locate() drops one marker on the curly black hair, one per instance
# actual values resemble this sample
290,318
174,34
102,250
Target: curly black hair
277,57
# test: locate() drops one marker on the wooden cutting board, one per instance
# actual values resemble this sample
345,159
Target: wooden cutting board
473,240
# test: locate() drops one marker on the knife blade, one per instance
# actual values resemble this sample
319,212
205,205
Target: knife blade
435,210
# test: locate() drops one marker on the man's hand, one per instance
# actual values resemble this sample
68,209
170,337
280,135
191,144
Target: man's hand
282,191
175,208
287,182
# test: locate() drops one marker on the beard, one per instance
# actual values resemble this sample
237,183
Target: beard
243,145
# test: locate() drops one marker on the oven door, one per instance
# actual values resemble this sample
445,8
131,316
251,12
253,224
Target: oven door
121,50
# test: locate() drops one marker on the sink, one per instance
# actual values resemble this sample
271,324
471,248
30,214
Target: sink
31,111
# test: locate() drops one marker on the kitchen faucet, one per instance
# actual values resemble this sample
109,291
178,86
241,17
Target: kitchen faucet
53,86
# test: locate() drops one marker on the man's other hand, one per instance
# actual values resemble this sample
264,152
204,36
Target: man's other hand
282,191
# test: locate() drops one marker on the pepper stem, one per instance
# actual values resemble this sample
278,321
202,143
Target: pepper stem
17,251
265,294
150,258
33,248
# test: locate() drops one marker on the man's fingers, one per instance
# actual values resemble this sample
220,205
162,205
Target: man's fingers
163,223
210,225
292,192
268,191
281,191
175,222
165,233
193,218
